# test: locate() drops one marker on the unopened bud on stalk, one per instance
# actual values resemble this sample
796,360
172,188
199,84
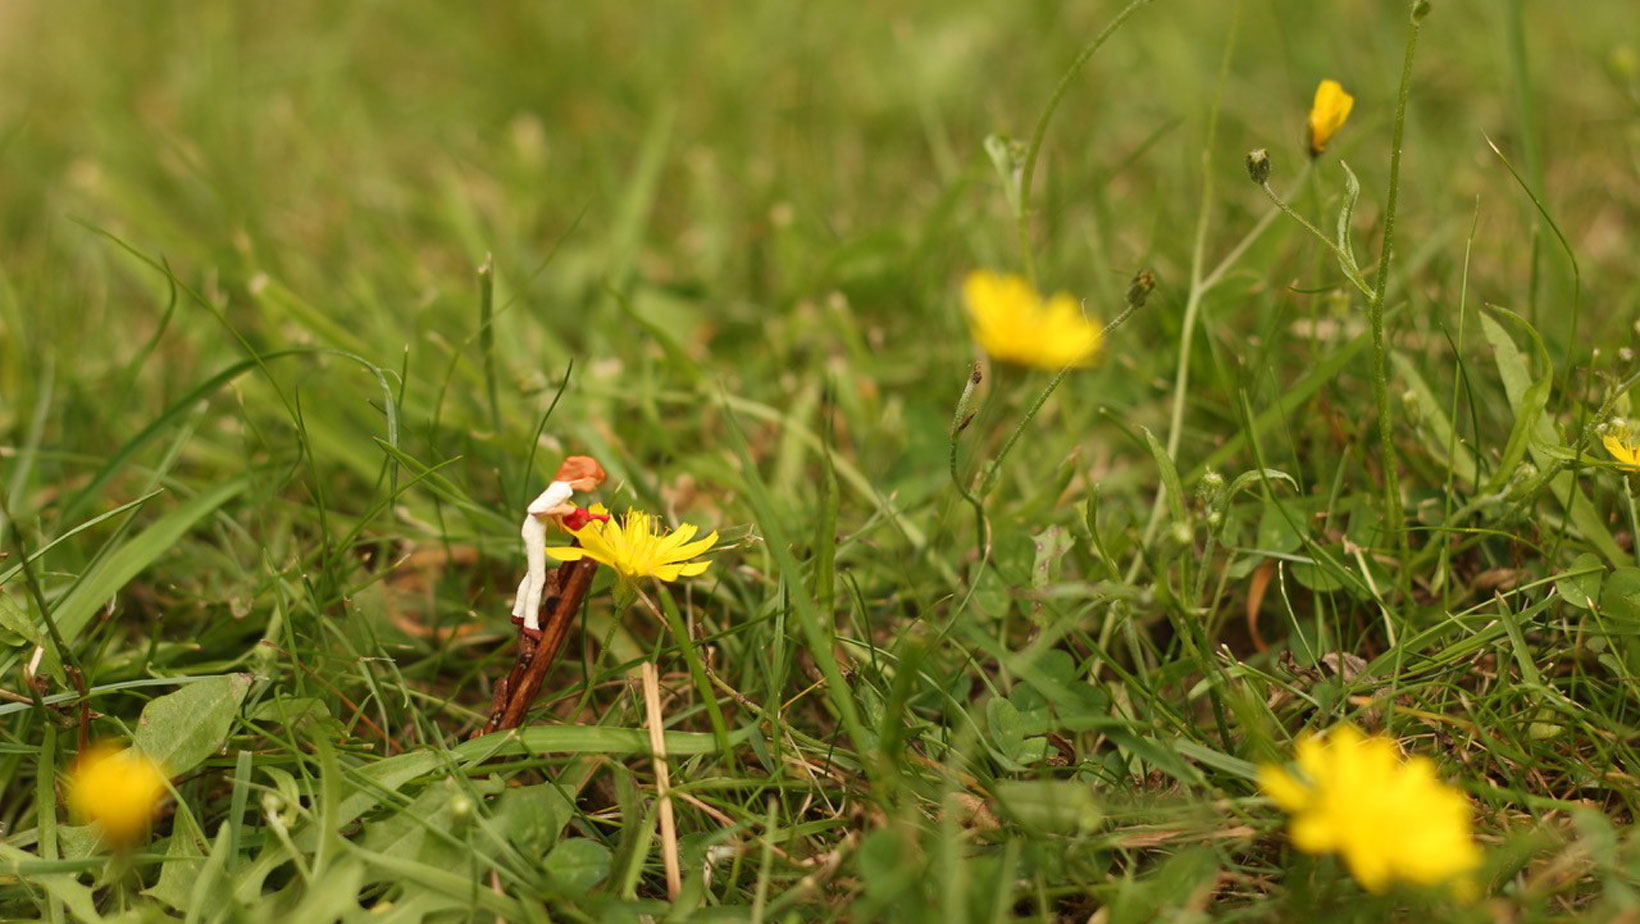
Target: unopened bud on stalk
1144,282
1420,10
1524,474
461,810
1139,289
1410,406
1258,166
1210,488
965,404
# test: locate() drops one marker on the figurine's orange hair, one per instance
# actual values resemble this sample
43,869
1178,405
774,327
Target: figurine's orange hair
576,468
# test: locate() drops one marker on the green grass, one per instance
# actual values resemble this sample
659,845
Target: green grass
268,446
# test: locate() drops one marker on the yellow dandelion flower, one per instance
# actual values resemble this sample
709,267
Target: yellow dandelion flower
1623,443
1391,819
116,789
1327,114
1012,322
637,547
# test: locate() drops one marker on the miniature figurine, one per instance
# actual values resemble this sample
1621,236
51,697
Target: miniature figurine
578,473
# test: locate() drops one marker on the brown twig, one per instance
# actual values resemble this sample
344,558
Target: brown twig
522,685
521,662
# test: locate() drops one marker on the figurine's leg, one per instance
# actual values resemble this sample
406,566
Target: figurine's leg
518,600
528,603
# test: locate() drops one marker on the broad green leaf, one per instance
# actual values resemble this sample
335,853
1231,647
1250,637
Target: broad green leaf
990,596
1008,157
1317,577
1516,381
16,624
184,858
882,863
1018,734
1169,888
1058,664
210,895
579,863
416,904
456,884
532,816
1257,476
1346,212
1439,437
1170,477
292,711
332,894
1276,527
76,842
182,729
1058,806
1580,583
420,830
56,878
1620,597
404,833
1528,396
1050,546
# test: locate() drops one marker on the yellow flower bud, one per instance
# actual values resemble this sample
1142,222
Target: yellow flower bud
1332,106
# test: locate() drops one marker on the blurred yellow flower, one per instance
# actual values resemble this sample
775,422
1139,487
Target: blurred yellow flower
1327,114
636,547
1623,443
1012,322
1391,819
116,789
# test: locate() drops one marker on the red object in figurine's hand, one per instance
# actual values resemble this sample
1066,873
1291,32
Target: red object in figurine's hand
577,519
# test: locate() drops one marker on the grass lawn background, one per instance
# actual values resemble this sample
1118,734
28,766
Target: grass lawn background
270,445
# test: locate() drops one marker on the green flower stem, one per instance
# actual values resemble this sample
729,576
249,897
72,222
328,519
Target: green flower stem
960,419
1634,518
1393,515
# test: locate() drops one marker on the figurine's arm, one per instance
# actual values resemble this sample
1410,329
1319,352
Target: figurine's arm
555,495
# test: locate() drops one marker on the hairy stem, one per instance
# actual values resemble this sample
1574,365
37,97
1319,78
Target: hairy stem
1393,515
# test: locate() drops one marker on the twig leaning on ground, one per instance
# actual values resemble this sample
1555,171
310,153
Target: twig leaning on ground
566,590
